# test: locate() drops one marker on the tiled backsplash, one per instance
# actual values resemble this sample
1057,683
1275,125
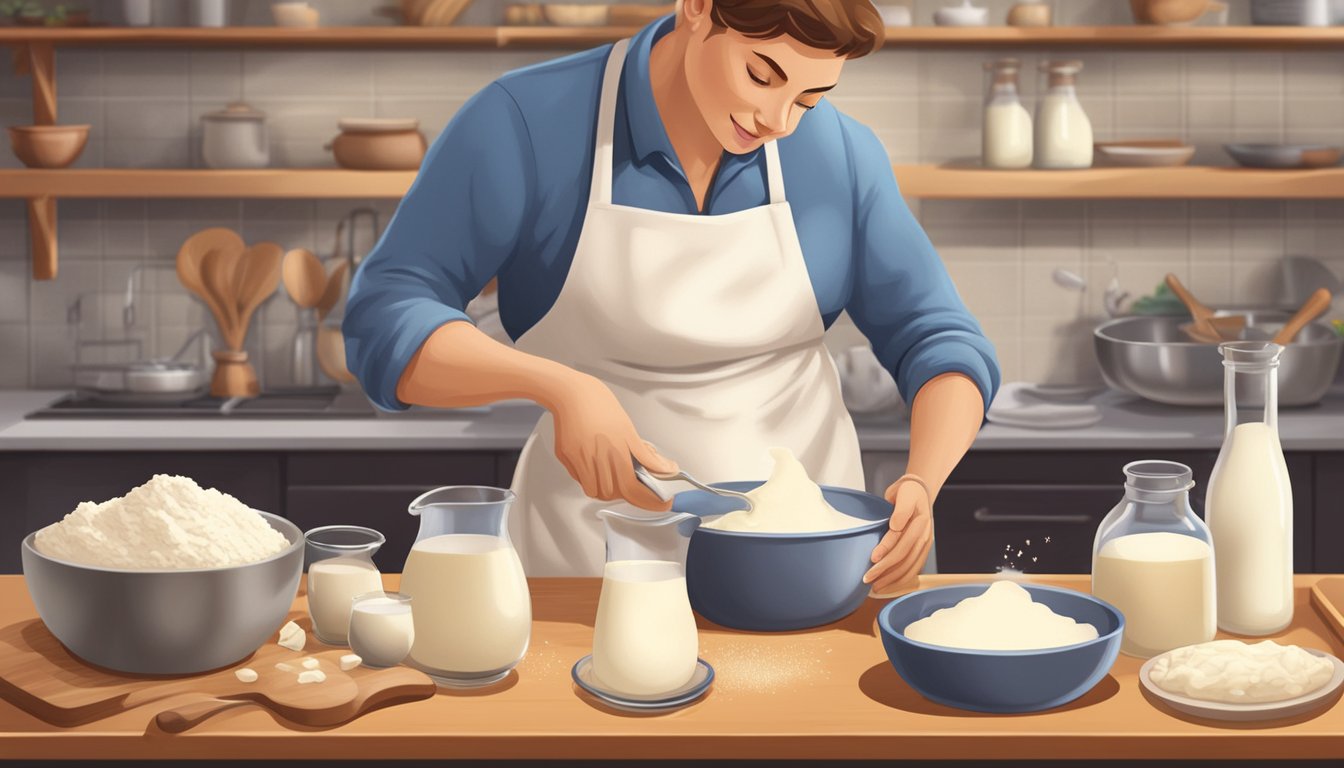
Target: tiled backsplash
145,106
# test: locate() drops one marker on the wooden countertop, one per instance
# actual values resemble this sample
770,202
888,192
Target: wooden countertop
826,693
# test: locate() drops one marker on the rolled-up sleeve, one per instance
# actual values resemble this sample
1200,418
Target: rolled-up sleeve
453,230
903,299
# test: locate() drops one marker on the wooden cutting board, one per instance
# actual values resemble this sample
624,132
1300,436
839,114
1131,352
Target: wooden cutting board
1328,597
38,675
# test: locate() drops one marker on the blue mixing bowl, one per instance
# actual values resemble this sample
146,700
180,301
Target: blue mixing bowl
1001,681
774,582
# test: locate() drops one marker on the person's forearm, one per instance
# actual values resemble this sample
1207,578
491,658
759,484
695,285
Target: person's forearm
944,420
459,366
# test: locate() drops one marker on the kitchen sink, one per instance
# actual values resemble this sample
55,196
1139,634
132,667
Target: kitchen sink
305,403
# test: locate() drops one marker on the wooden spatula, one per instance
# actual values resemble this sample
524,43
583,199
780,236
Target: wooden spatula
1317,303
305,280
258,277
332,292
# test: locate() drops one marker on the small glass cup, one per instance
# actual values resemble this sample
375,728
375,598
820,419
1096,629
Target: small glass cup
381,628
340,567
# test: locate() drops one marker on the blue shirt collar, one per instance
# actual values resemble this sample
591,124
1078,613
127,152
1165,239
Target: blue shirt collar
647,135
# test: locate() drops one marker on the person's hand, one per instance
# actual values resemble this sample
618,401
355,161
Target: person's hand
902,551
595,440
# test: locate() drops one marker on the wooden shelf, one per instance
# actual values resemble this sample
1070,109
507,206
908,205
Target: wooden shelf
583,37
108,183
967,183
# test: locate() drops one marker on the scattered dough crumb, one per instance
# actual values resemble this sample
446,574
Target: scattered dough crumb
349,661
245,675
312,676
310,663
283,667
292,637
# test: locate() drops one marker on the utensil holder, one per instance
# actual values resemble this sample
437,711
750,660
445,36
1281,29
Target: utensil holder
234,375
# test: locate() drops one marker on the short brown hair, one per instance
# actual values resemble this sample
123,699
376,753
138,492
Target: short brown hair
849,28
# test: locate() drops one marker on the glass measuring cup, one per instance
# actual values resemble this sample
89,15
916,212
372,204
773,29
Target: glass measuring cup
645,641
340,567
381,628
473,611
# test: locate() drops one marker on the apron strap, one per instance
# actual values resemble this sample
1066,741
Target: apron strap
773,175
600,188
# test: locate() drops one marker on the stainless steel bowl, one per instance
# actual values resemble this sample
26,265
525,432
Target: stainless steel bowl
165,622
1152,358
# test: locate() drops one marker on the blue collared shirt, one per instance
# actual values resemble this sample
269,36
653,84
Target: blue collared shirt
503,192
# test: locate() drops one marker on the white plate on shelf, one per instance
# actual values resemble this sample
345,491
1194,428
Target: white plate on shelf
1269,710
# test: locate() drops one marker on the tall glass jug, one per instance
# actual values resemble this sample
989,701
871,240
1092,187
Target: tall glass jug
645,641
1249,506
1154,560
473,612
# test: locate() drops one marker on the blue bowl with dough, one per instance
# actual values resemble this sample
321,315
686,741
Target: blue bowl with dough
1001,681
776,582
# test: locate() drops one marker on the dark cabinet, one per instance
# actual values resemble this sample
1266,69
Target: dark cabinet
374,488
1328,537
1000,503
41,488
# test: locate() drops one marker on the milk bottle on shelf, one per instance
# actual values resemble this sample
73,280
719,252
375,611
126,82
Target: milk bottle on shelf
1063,132
1153,559
1006,141
472,610
1249,506
340,568
644,640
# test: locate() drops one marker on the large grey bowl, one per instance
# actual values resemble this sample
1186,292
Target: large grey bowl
165,622
1150,357
775,582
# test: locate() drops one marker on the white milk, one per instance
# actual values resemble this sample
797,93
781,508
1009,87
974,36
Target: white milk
1163,583
1007,140
381,631
645,641
1249,510
1063,132
471,608
332,586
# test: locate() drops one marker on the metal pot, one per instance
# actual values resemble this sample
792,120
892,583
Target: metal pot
1152,358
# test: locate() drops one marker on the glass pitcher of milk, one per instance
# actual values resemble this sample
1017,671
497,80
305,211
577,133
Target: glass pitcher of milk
645,641
1154,560
473,611
1006,139
340,568
1249,506
1063,132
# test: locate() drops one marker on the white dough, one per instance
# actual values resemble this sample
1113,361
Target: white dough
1233,672
312,676
789,502
349,661
245,675
311,663
1002,618
292,637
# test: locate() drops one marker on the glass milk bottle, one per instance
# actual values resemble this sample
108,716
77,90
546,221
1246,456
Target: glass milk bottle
473,611
645,641
340,568
1063,132
1006,139
1249,505
1154,560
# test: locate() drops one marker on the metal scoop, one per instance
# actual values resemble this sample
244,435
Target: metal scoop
648,478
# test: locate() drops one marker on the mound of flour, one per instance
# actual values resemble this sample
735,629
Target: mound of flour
169,522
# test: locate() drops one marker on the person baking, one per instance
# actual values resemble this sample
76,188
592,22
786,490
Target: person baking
674,220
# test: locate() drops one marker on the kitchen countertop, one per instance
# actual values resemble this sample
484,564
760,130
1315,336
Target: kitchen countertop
1127,423
824,693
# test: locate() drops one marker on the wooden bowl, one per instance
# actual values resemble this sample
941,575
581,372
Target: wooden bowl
1167,11
575,15
48,146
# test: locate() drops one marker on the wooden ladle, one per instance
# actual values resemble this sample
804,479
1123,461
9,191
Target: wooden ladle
1205,326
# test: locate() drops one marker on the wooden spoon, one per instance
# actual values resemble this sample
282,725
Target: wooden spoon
217,273
1317,303
332,293
258,277
305,279
192,253
1205,326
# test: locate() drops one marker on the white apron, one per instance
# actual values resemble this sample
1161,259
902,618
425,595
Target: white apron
707,330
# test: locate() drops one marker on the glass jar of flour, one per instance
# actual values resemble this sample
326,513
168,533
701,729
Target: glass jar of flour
1153,560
